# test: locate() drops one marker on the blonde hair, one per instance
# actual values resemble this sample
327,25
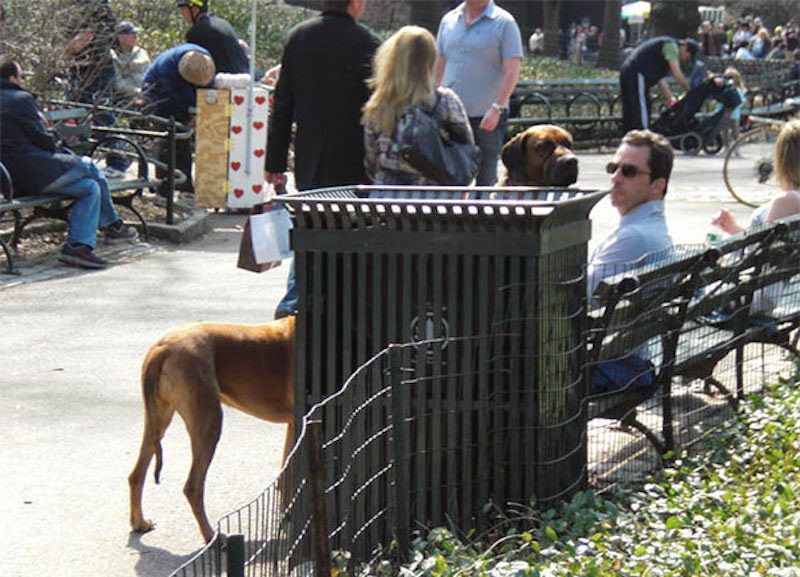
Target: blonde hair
732,73
403,76
787,156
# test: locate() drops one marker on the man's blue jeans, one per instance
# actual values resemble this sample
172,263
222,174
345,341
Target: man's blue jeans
288,304
93,205
490,144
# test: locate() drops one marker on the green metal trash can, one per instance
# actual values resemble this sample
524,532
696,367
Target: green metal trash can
492,280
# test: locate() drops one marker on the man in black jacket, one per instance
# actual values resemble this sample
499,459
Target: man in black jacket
216,35
322,87
31,155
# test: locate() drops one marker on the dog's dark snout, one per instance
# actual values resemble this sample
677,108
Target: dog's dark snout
566,170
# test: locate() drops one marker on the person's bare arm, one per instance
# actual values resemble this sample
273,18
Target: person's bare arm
511,67
783,206
78,42
677,74
438,70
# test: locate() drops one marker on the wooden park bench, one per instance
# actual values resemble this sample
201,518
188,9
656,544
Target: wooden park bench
688,311
74,128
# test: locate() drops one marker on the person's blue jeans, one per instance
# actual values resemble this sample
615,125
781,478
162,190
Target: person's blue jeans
490,144
288,304
93,206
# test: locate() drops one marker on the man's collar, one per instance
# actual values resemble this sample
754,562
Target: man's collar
6,83
489,11
643,209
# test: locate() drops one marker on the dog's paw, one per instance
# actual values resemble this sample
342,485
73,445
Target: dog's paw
143,526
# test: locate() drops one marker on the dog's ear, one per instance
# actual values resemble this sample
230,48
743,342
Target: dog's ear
513,157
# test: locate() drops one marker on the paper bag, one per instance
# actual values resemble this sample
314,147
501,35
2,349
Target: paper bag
265,240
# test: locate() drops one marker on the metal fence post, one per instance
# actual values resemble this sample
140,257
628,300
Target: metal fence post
399,446
234,545
171,171
320,542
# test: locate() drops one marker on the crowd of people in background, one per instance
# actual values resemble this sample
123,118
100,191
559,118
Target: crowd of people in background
749,39
746,39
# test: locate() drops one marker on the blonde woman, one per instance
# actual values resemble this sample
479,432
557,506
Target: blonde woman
403,76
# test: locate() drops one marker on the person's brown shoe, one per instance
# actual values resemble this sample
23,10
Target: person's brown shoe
82,256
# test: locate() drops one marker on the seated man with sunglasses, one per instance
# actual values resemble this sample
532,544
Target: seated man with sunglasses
639,176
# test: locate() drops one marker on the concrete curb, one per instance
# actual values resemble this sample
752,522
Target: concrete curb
182,232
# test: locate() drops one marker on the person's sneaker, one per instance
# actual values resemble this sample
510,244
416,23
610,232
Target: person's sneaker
119,232
113,173
82,256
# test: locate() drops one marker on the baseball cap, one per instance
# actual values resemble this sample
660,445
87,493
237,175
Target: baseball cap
126,27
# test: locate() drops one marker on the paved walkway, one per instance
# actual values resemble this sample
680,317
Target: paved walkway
71,404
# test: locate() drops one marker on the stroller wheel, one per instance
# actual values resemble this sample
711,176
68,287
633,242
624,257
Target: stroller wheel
713,145
691,143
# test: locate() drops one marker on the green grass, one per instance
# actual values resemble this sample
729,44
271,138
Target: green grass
546,68
731,510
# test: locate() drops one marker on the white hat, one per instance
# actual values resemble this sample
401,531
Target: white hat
196,68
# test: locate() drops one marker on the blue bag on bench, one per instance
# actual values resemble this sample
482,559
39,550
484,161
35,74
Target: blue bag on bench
631,373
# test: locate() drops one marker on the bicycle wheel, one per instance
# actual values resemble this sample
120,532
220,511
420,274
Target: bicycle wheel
748,169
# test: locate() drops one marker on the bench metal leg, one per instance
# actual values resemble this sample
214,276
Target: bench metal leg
633,422
127,202
10,268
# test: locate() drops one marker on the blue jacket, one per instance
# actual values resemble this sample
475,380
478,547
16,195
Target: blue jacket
27,149
165,92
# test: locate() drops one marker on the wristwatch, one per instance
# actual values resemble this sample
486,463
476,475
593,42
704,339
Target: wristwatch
499,107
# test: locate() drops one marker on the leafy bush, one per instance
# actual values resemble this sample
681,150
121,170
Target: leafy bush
546,67
732,510
35,32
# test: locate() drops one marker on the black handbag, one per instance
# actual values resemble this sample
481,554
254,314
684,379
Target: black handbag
433,150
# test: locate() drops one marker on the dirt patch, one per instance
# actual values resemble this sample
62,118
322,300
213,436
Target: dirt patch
49,235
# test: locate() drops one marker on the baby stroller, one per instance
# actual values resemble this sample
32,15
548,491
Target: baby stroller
690,131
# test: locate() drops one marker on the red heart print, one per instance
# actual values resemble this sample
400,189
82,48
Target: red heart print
238,100
236,129
258,125
238,192
236,165
256,188
259,153
260,100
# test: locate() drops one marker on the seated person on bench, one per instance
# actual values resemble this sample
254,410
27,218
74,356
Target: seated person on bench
30,154
639,176
787,175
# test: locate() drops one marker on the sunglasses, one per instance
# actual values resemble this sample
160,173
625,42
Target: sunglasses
628,170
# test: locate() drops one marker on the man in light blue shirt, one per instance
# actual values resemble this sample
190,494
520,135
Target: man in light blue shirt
639,176
480,51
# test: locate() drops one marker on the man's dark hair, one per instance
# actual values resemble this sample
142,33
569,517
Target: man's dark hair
661,153
335,5
9,68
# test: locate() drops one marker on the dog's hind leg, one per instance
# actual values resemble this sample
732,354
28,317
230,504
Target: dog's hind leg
152,432
204,424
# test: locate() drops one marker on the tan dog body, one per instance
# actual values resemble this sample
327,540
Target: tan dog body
192,370
539,156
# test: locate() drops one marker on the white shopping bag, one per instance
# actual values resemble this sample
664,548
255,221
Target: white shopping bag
270,233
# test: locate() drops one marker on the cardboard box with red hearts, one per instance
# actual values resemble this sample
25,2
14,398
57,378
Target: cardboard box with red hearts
229,148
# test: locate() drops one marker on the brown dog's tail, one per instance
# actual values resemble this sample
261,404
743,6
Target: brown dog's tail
151,372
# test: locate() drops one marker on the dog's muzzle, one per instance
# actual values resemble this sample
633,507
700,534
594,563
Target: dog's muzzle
563,171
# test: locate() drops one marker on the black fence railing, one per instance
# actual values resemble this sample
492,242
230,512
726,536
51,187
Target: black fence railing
488,401
592,111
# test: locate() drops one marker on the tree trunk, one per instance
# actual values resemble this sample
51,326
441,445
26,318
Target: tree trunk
551,11
676,19
610,49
